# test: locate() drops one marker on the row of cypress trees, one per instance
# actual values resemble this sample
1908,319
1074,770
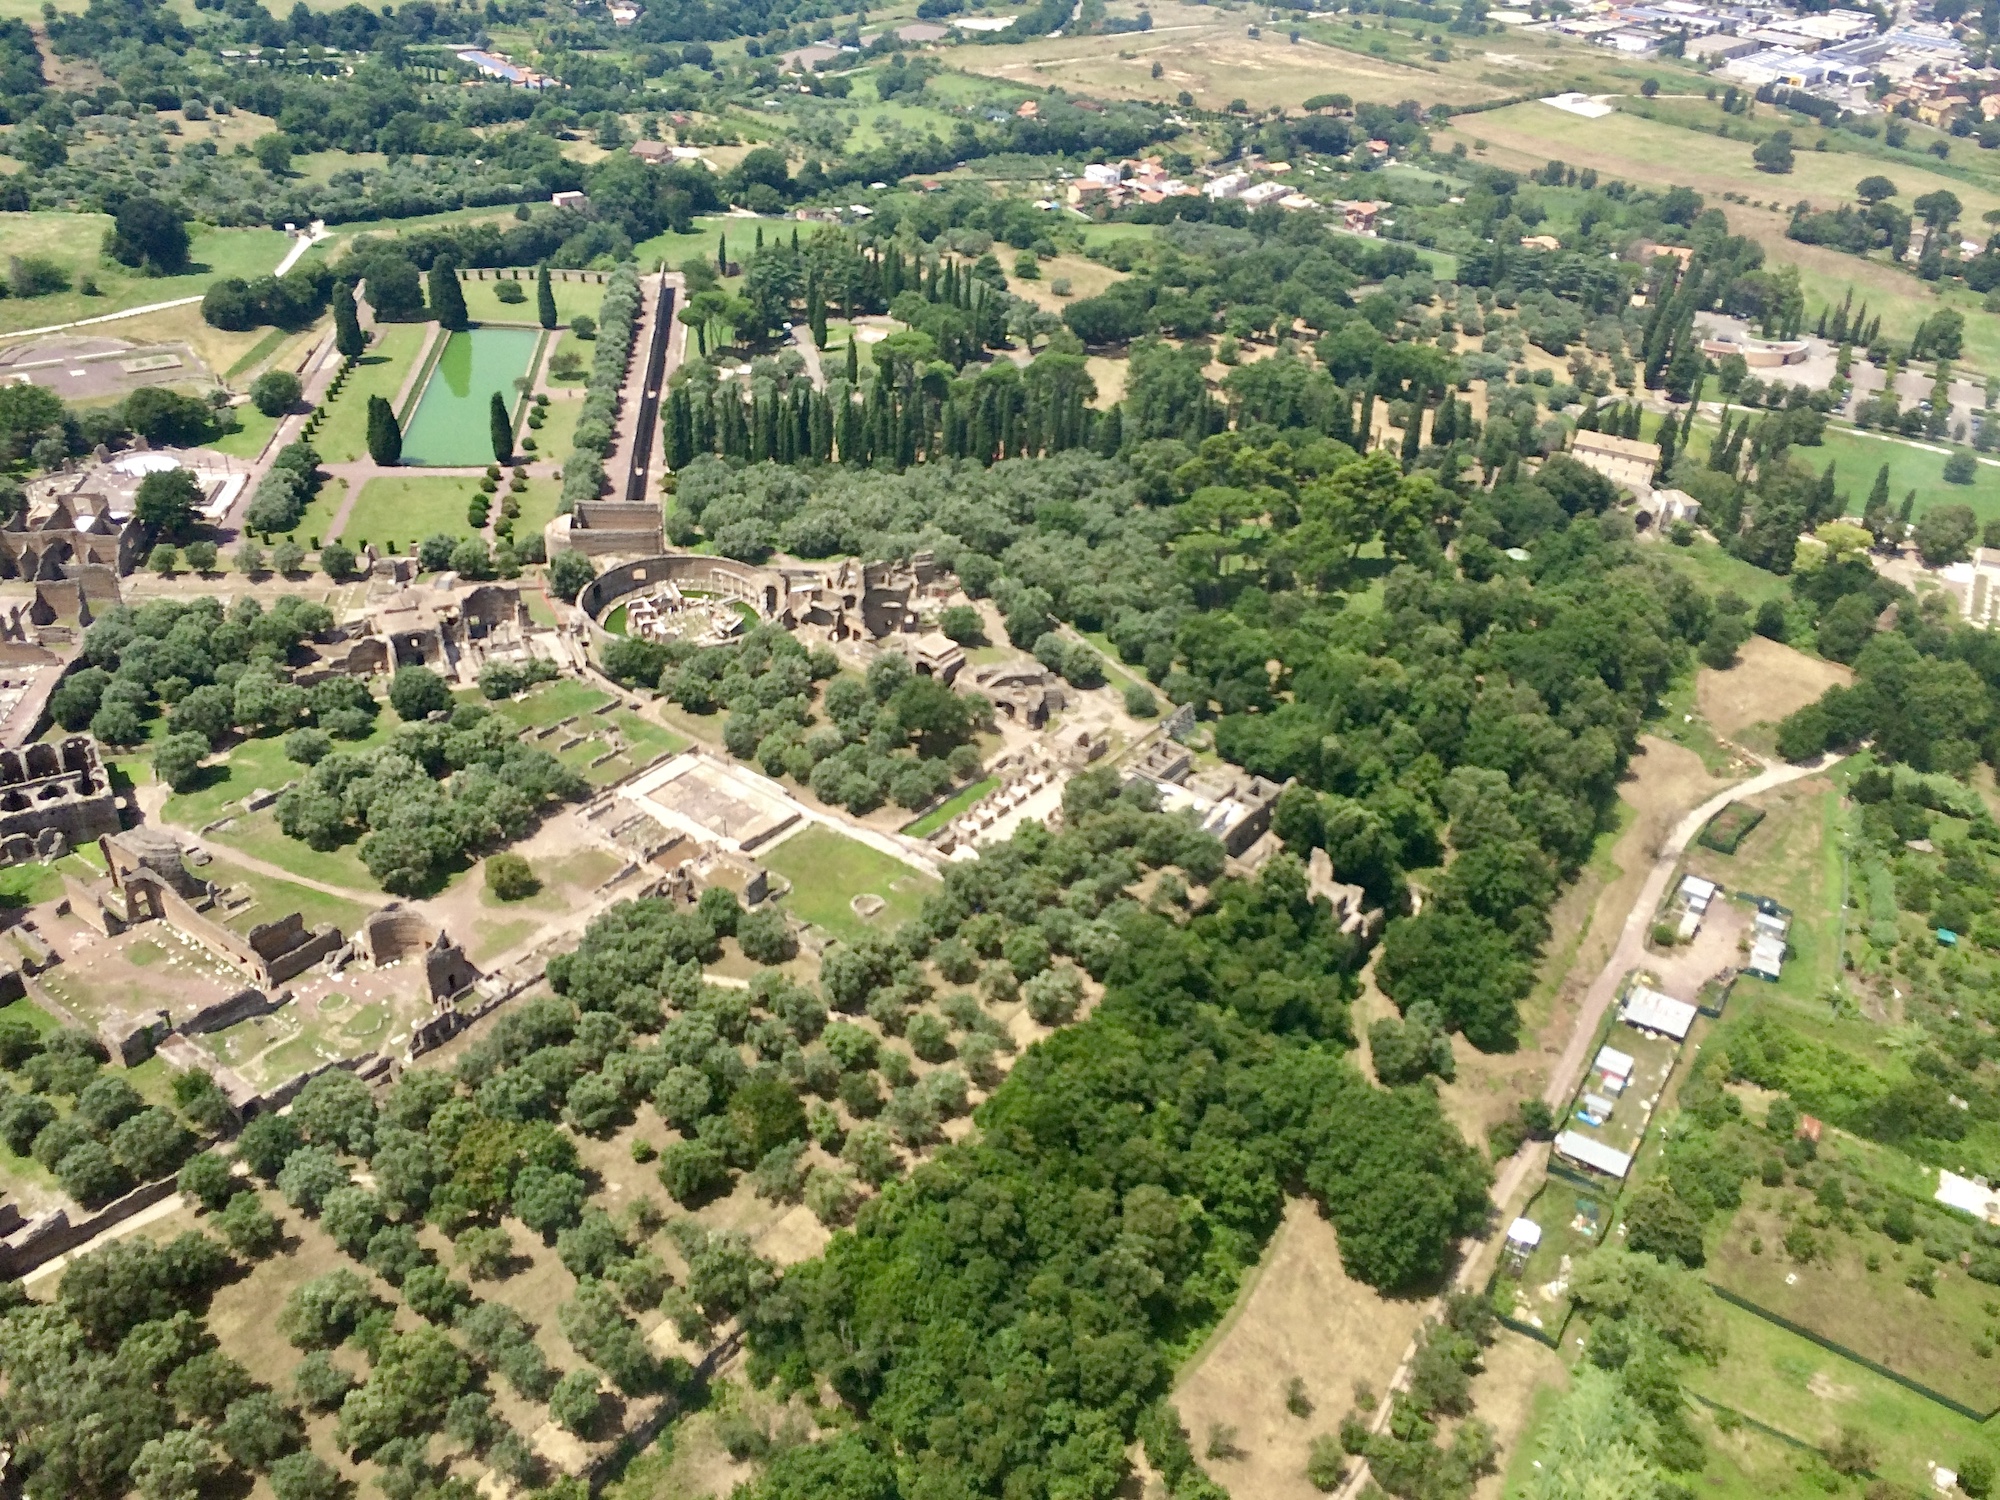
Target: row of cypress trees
901,417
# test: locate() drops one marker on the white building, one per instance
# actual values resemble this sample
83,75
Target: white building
1229,185
1649,1010
1594,1154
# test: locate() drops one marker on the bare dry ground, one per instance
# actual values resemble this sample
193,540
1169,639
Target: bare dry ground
1503,1394
1663,782
1769,681
1215,63
1302,1316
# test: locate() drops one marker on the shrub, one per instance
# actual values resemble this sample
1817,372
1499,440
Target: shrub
275,392
766,937
576,1401
509,876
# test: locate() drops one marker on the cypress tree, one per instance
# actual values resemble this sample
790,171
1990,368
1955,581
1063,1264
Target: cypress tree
1908,509
1340,417
447,299
760,237
347,335
1667,431
1878,495
501,425
848,433
722,255
1413,434
815,311
385,434
545,298
1366,427
853,360
822,427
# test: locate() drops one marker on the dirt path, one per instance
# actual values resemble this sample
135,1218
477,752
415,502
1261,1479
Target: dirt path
236,856
1568,1069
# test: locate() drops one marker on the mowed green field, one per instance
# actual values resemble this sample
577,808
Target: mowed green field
401,512
1654,152
828,870
483,304
75,241
380,372
1857,457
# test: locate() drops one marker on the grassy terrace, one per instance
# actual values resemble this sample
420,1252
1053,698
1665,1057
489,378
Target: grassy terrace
828,869
402,511
72,241
950,808
379,372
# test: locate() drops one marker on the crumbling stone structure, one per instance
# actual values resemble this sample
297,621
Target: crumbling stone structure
53,797
396,933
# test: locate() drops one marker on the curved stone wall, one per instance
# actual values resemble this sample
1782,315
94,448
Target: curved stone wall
763,589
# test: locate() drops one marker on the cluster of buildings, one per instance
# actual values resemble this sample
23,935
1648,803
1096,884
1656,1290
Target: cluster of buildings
1118,184
1797,54
1830,53
1605,1126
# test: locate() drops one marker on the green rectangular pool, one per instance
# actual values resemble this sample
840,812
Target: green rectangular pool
449,428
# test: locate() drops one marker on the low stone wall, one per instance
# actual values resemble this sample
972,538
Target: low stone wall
240,1006
55,1234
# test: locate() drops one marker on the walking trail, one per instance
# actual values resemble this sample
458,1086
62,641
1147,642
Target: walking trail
300,245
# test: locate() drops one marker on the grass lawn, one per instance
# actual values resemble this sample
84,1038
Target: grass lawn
1792,856
261,350
553,437
1716,570
73,241
550,703
645,741
402,512
1859,456
251,764
538,506
1803,1390
247,438
379,372
258,835
572,297
29,885
742,235
950,808
316,520
828,869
